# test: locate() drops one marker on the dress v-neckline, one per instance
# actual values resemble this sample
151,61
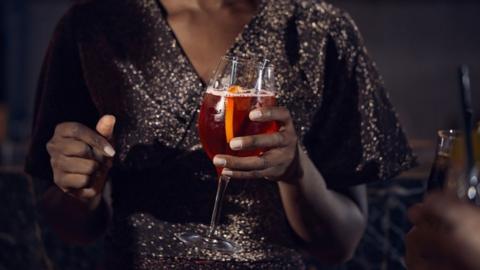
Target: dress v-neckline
179,49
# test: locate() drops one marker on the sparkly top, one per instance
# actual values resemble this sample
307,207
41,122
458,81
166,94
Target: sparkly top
122,58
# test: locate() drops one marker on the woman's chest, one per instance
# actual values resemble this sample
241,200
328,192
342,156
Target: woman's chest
205,36
153,89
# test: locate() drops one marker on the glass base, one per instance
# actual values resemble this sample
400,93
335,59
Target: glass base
211,243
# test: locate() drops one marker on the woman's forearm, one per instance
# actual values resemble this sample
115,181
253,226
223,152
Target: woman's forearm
330,223
76,221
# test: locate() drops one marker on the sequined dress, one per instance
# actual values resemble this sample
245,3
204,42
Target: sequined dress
122,58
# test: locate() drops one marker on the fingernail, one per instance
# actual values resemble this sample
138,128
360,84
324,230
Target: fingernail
227,172
109,151
220,162
254,115
236,144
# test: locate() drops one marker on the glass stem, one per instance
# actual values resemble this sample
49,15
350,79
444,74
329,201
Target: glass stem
217,209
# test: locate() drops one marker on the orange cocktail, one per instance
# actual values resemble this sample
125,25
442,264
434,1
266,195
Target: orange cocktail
224,115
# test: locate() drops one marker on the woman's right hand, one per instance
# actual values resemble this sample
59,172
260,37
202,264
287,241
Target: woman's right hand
81,157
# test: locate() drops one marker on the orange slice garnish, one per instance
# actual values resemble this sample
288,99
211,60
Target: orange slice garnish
229,110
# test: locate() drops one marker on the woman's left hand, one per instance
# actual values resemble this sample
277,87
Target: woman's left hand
279,162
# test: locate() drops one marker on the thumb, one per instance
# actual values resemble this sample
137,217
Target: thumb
105,126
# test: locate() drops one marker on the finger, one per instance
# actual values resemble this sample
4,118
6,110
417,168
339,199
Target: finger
447,211
74,165
271,173
255,174
105,126
84,193
420,216
272,140
72,181
85,134
241,163
280,114
70,147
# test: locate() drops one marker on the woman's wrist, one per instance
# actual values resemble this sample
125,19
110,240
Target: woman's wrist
295,170
99,218
93,203
76,221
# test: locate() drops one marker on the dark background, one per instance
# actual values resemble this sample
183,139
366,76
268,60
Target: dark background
417,45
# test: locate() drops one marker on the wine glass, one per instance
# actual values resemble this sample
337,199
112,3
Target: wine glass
237,87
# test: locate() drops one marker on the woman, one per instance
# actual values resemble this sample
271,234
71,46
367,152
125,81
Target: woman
118,100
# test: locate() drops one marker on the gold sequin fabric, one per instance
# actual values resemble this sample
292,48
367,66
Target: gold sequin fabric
122,58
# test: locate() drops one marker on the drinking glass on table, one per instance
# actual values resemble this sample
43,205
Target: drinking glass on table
448,171
441,163
238,86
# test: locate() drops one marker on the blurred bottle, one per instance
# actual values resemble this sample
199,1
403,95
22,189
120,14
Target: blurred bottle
456,182
441,164
476,143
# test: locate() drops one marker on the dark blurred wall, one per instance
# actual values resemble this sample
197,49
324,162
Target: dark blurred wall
3,39
27,26
418,46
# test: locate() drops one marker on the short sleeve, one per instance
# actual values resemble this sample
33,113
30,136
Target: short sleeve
62,96
355,136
